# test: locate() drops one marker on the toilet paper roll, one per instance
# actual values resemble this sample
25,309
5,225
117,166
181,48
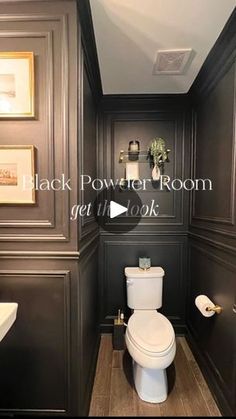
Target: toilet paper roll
202,302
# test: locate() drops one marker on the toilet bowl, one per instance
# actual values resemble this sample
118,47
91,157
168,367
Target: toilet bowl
150,340
150,337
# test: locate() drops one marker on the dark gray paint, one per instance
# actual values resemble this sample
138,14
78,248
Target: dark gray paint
45,32
48,244
162,238
49,264
33,355
119,252
215,144
212,232
215,276
87,151
88,306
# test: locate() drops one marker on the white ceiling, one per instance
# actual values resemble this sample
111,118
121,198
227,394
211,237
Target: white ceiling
129,32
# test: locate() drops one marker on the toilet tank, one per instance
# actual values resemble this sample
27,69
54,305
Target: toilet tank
144,288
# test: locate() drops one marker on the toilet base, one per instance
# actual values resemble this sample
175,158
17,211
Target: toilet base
151,384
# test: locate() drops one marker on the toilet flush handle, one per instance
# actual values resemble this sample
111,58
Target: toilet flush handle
129,281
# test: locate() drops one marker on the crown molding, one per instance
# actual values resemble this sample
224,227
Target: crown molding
139,102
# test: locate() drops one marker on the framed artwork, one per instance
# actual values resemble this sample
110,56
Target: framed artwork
17,172
16,84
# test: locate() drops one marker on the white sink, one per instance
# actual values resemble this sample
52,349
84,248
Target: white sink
8,313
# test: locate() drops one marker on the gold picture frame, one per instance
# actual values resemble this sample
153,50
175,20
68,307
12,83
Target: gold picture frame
17,174
17,85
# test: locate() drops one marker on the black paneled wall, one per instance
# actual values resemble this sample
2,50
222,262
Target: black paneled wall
212,228
163,238
48,264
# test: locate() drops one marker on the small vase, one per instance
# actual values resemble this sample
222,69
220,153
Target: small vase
156,173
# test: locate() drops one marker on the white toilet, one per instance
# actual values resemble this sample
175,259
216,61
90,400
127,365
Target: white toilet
150,337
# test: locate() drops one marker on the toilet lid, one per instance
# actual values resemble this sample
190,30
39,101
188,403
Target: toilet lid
151,331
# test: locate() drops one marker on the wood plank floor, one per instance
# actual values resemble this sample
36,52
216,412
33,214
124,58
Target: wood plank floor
114,394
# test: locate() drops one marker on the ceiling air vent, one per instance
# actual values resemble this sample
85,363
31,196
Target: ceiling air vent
172,61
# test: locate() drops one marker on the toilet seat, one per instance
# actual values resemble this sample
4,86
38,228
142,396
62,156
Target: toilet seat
151,332
150,339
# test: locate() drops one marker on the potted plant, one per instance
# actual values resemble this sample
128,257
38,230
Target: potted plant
158,155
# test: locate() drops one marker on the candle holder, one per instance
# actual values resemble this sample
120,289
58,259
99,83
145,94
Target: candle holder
134,146
133,150
144,263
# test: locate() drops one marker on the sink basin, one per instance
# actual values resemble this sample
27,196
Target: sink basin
8,313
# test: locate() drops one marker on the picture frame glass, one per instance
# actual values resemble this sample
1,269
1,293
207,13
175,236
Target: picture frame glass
16,84
17,175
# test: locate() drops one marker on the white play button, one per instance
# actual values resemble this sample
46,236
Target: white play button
116,209
111,203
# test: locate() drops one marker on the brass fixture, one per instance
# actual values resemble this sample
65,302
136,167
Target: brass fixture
121,156
216,309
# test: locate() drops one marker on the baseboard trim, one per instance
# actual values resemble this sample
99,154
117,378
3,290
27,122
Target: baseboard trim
221,401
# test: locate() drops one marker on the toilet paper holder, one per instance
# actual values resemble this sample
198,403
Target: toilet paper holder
217,309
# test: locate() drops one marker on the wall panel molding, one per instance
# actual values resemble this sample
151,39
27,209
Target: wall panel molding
230,218
89,242
87,225
88,308
27,277
213,243
46,266
157,233
57,220
212,256
39,255
109,157
212,232
220,232
209,335
207,373
111,282
50,222
65,155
